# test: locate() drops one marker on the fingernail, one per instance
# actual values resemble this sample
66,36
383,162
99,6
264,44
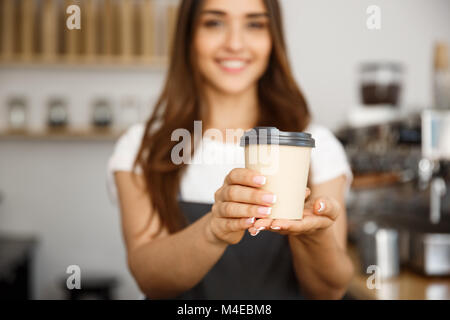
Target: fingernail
253,235
260,229
259,180
264,210
269,198
250,220
275,228
321,206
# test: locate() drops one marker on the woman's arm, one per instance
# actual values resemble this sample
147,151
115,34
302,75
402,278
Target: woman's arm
320,260
166,265
163,265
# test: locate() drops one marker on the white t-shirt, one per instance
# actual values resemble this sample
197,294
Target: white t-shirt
202,178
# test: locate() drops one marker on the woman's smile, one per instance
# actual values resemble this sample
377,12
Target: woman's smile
233,65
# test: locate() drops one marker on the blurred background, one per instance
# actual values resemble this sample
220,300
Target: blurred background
66,96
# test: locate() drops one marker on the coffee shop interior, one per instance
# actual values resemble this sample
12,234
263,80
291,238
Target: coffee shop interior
66,96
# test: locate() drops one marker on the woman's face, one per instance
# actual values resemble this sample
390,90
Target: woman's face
232,44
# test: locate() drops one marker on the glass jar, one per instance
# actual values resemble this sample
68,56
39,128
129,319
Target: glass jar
381,83
17,113
57,113
102,114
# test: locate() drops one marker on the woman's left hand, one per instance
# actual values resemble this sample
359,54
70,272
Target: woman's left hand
318,215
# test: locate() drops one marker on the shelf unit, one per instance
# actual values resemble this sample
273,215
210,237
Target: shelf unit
140,63
113,32
63,134
129,35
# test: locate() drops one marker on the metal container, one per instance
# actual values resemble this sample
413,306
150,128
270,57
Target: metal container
430,253
380,247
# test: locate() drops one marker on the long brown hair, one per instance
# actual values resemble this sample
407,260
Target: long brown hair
281,104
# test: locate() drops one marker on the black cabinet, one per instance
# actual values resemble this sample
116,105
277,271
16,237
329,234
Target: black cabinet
16,259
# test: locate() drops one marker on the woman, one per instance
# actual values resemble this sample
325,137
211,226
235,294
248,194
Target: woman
190,229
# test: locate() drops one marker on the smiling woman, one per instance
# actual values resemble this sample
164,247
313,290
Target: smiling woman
232,45
190,229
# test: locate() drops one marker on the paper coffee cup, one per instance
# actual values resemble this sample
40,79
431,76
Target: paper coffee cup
283,158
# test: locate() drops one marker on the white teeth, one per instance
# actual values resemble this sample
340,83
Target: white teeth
233,64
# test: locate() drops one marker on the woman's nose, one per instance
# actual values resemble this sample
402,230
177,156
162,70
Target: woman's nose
234,41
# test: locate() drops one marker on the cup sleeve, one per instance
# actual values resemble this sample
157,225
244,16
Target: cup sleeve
328,158
123,157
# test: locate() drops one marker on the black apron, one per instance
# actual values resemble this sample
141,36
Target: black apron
256,268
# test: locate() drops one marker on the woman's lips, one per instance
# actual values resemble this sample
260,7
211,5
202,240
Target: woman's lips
232,65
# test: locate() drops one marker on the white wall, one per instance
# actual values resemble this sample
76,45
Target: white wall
56,190
327,39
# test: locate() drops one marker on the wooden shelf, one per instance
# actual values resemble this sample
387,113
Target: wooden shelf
125,33
375,180
69,134
156,63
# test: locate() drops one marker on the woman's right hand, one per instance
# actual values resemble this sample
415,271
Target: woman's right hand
237,203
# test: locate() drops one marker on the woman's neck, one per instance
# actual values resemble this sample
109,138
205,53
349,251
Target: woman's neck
226,111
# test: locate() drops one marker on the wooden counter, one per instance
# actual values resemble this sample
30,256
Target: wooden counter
407,285
64,134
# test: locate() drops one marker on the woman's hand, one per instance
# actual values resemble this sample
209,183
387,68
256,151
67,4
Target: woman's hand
318,215
237,203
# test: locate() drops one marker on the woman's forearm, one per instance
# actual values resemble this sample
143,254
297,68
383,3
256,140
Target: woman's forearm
323,268
166,267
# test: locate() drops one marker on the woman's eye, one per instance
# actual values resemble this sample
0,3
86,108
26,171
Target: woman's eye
256,25
213,23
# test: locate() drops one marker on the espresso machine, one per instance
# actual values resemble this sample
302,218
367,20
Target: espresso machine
435,158
430,247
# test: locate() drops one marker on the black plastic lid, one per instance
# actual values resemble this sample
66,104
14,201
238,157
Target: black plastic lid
271,135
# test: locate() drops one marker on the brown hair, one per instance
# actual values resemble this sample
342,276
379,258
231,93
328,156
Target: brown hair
281,104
